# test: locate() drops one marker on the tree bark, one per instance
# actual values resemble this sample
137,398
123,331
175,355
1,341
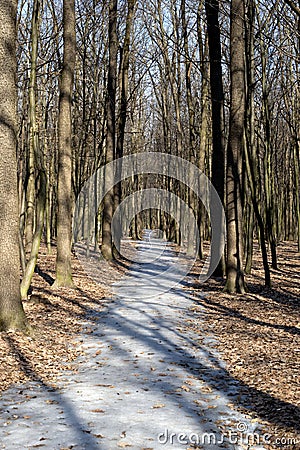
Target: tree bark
108,201
123,86
36,240
204,115
234,264
11,311
217,106
33,129
297,184
64,189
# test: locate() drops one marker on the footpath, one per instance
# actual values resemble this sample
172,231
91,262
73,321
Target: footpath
145,381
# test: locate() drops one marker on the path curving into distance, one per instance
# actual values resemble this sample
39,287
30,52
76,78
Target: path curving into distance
146,380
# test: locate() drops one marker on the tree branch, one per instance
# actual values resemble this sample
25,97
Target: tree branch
293,6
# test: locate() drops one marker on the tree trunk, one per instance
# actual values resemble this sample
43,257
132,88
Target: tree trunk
64,190
33,129
11,311
204,116
250,156
30,267
108,201
267,160
191,120
234,264
124,71
217,106
249,238
297,184
260,223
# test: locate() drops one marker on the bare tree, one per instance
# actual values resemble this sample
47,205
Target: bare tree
11,311
234,264
108,202
64,189
217,106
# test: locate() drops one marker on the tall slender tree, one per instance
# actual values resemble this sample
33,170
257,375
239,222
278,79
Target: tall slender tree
250,156
123,89
64,191
234,264
33,129
11,311
217,105
108,202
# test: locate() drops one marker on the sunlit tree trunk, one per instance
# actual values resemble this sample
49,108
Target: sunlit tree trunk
108,202
64,191
11,311
234,264
33,128
36,240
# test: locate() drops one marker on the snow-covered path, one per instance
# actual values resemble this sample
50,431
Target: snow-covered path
146,381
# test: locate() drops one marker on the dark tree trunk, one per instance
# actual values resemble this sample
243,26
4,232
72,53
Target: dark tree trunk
123,86
217,106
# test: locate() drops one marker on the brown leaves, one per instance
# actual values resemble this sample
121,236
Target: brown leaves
185,388
123,444
55,320
158,405
110,386
98,436
258,337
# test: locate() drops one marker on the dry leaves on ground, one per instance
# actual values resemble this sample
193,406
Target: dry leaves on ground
258,334
259,338
55,317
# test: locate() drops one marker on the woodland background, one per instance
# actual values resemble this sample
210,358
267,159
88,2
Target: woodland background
216,83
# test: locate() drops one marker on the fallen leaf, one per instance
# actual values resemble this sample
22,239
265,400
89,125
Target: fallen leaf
185,388
110,386
124,444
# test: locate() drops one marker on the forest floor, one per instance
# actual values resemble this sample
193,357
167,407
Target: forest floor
257,334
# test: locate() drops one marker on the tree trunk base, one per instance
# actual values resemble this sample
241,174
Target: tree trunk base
235,285
65,281
14,322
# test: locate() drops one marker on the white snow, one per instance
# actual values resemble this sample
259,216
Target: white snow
145,381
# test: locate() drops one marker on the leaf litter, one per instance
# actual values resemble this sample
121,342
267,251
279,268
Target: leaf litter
257,335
